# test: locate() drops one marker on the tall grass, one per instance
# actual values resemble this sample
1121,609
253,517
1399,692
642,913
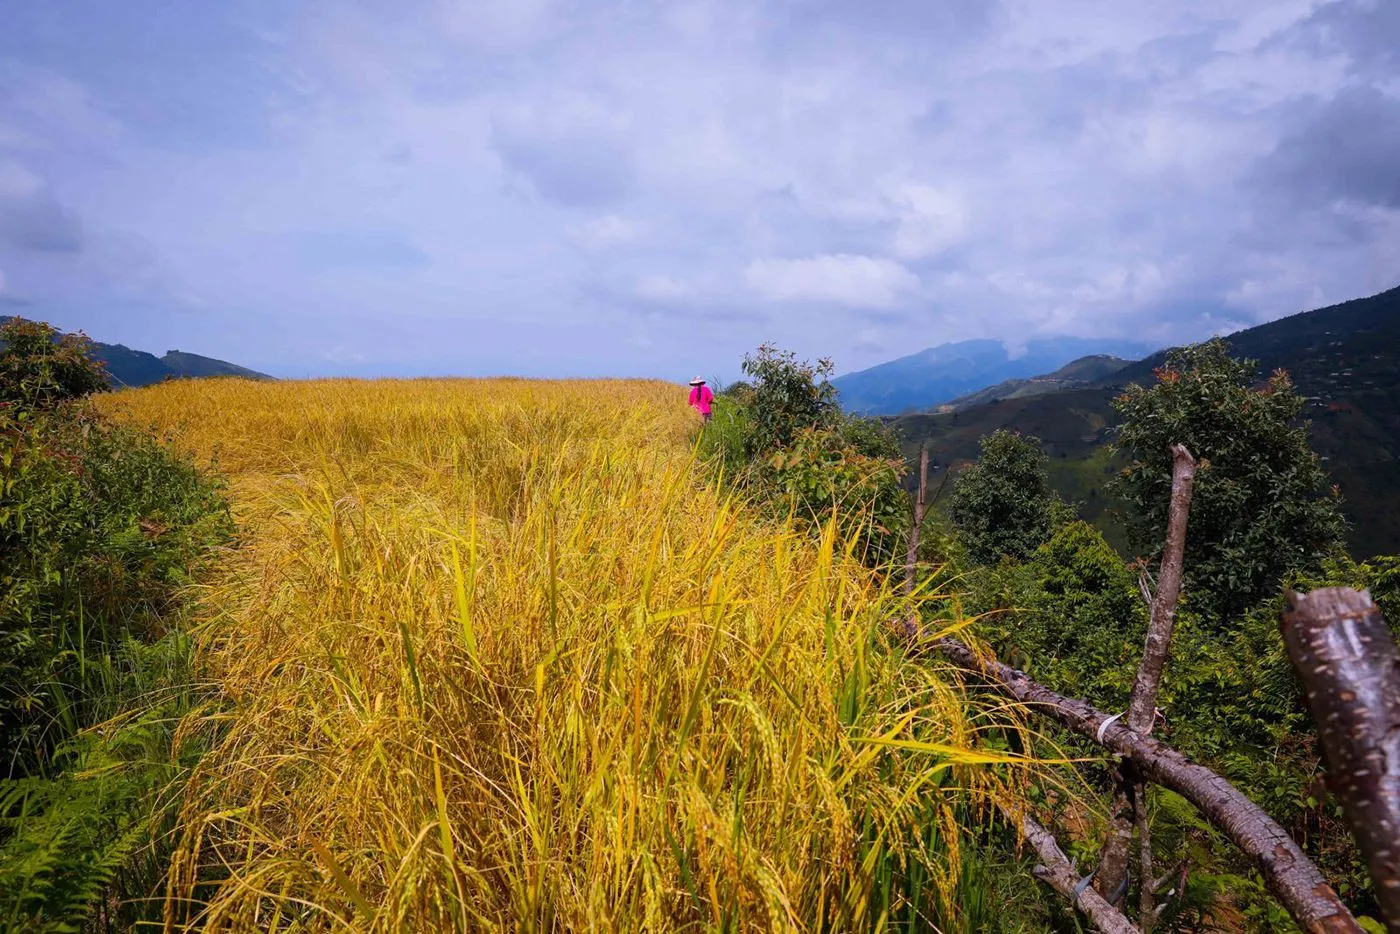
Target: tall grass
499,654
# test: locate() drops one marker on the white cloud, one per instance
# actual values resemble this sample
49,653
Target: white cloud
17,182
931,220
835,279
1068,168
663,290
496,25
608,232
339,354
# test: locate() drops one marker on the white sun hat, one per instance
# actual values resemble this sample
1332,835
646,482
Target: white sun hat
697,381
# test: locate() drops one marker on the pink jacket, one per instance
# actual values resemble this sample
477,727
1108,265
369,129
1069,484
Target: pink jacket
700,399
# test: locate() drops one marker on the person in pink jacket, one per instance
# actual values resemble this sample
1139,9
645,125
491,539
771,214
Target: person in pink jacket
701,397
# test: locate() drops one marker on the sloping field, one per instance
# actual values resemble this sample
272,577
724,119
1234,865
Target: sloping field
497,654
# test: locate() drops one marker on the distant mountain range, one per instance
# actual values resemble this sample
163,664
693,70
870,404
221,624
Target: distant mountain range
1345,359
941,374
1086,371
127,367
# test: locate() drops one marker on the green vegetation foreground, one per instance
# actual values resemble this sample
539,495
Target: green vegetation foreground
100,529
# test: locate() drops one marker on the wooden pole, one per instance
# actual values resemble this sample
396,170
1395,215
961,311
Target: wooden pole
1128,792
1142,707
1345,657
911,556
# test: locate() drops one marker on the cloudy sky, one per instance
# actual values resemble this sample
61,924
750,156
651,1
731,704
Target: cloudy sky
651,187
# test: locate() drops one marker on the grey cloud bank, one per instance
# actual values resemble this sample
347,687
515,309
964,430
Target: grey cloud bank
586,188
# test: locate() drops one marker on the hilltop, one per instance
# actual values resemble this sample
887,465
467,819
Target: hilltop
129,368
939,374
1344,358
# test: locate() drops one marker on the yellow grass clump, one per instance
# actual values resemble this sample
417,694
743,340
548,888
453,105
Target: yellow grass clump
497,654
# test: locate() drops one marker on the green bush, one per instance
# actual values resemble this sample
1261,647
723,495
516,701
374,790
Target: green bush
786,396
723,441
783,439
38,367
826,475
101,527
1073,618
1072,615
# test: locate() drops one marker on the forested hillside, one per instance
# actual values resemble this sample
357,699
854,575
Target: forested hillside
1077,374
1345,359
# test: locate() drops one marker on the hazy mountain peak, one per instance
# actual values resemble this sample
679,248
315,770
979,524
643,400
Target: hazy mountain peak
941,373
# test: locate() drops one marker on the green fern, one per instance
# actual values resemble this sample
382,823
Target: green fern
66,840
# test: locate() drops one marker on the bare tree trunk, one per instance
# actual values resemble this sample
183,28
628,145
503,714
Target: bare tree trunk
1147,910
1128,792
1142,708
1058,872
911,557
1287,871
1345,656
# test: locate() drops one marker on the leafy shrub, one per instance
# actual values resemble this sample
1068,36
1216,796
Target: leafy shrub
1073,618
825,474
723,443
782,437
38,367
1072,615
100,528
786,396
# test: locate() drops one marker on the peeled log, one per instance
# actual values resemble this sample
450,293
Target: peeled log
1345,657
1287,871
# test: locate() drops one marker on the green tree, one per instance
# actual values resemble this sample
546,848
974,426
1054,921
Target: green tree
787,397
1261,506
826,474
1003,505
38,367
782,436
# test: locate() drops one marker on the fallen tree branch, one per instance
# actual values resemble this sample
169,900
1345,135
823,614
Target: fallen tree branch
1058,872
1345,657
1287,871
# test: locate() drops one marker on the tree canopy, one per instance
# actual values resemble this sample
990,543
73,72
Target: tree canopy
1003,506
1262,504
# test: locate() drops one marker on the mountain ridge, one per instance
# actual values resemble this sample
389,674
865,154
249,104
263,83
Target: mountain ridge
1344,358
1085,371
134,368
944,372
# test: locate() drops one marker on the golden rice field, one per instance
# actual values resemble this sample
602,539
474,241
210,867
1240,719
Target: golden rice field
498,654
